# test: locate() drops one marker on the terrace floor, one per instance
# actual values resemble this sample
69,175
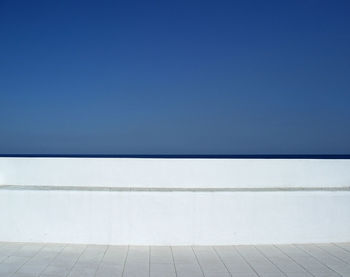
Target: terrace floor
56,260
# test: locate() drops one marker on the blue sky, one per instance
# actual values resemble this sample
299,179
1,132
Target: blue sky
175,77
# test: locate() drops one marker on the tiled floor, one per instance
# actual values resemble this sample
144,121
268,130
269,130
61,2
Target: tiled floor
56,260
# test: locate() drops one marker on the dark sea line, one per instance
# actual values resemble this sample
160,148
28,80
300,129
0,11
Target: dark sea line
184,156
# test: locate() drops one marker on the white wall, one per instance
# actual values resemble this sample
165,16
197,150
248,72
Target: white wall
167,173
174,218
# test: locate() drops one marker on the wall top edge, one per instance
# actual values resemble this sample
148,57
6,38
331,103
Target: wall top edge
173,189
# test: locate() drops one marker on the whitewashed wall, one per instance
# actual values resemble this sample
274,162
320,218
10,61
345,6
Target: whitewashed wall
167,173
173,217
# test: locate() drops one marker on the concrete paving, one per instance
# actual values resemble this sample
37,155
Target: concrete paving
69,260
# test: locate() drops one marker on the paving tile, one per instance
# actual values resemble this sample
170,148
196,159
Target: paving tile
308,262
209,261
217,274
235,264
250,274
29,250
31,269
282,261
64,261
137,262
186,263
115,256
345,246
92,255
162,269
20,274
11,265
57,271
161,261
110,271
9,249
260,263
83,270
336,251
188,270
161,255
184,255
57,260
88,261
299,274
335,264
7,269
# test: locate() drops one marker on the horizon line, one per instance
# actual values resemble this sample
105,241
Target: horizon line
184,156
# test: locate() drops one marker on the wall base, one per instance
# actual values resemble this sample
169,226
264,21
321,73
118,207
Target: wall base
174,218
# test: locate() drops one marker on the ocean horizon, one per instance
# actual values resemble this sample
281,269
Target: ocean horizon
185,156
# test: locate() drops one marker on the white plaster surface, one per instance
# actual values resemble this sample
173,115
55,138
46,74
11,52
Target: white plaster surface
174,218
168,173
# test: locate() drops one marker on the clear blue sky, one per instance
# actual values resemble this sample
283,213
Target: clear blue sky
175,77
